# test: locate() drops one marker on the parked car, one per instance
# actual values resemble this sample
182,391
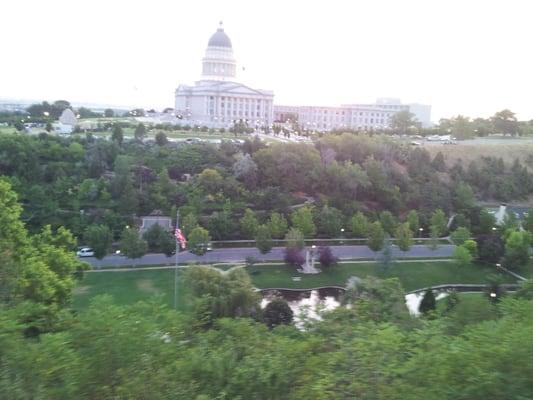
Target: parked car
85,252
206,246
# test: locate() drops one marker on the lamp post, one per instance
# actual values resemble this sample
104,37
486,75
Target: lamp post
420,230
342,235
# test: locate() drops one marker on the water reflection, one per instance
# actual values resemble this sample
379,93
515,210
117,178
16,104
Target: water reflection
412,301
309,303
305,304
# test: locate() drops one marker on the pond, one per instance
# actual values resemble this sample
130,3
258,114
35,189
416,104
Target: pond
309,303
305,303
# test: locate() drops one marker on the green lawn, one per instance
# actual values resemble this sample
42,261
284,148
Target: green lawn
413,275
128,132
127,287
7,129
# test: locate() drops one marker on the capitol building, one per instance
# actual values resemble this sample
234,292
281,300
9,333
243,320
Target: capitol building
217,100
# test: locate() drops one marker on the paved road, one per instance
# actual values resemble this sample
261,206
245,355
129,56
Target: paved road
276,254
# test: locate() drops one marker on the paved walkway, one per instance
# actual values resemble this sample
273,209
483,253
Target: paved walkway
157,267
239,255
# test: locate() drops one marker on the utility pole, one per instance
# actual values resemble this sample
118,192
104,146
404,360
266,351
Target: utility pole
176,266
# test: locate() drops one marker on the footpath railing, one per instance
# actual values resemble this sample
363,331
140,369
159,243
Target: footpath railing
466,287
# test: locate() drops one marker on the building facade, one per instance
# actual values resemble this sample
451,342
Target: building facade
218,100
351,116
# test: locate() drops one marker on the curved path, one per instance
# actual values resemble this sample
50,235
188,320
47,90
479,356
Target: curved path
236,255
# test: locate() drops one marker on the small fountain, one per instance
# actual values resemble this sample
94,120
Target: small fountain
309,265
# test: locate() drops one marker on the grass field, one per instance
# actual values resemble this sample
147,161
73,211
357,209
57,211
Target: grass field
508,150
127,287
128,132
413,275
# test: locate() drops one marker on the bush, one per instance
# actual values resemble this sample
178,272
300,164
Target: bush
326,257
293,256
277,312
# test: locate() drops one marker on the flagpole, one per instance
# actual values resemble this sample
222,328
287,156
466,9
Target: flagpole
176,266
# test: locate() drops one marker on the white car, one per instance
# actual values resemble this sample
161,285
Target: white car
85,252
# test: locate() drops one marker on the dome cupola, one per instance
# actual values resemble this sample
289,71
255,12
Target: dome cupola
218,63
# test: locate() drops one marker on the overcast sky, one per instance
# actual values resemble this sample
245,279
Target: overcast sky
463,57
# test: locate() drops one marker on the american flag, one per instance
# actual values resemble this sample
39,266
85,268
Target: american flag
180,237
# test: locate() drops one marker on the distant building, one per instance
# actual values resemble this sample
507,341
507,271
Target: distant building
153,219
218,100
67,122
351,116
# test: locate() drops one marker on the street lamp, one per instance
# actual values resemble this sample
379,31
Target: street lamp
420,230
493,228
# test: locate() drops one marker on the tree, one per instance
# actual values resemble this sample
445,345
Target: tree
99,238
359,225
302,219
216,295
490,248
160,240
376,236
402,121
439,222
49,127
161,139
433,237
249,224
198,240
462,256
505,122
462,128
39,269
451,301
140,132
414,221
263,239
245,170
377,300
471,246
117,135
404,236
277,225
460,235
330,221
277,312
517,250
109,113
428,303
385,259
438,162
294,239
464,197
388,222
487,221
131,244
188,223
326,257
527,223
293,257
210,180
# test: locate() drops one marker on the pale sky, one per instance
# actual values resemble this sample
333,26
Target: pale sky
463,57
